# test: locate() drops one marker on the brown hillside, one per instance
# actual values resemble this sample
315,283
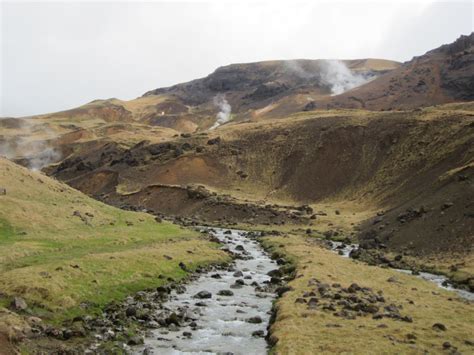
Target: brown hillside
393,161
445,74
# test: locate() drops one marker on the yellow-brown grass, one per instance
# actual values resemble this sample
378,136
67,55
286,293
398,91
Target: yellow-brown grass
303,331
60,248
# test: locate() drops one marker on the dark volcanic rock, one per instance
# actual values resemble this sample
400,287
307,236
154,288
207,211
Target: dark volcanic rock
213,141
225,293
267,90
135,340
183,266
203,295
172,319
254,320
310,106
238,274
258,334
439,326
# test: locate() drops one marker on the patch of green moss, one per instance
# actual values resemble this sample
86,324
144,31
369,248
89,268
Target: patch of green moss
6,231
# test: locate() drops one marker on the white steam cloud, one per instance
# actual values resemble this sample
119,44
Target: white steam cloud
340,78
225,110
331,73
33,146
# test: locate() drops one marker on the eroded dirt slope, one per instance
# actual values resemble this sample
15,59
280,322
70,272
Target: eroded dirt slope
393,162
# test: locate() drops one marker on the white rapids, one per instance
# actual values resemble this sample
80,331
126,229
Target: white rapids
221,322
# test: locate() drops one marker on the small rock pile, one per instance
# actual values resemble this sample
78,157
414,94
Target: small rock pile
350,302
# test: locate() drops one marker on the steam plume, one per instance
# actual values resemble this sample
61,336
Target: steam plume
37,153
224,114
340,78
331,73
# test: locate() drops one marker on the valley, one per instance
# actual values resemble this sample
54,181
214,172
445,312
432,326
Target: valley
115,215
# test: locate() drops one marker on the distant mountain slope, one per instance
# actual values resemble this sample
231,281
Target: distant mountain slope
245,92
248,88
248,83
251,87
278,88
442,75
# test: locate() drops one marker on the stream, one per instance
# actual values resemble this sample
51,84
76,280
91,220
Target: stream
228,309
442,281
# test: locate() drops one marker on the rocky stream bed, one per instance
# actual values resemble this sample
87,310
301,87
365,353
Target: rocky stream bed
224,311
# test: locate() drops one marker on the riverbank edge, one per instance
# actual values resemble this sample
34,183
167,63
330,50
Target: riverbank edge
274,247
287,269
45,336
397,260
459,279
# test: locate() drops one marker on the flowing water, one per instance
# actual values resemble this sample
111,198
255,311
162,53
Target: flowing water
234,321
222,324
442,281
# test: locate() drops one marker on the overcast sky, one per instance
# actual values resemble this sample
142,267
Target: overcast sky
60,55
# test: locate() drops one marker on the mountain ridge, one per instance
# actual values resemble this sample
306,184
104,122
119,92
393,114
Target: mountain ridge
442,75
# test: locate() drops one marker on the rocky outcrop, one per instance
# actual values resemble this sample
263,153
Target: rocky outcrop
250,83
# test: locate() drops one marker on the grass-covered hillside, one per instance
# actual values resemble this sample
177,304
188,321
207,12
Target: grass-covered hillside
66,254
341,306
